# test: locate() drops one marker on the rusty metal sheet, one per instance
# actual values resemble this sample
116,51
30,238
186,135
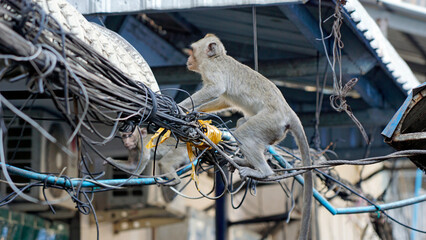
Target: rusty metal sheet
396,119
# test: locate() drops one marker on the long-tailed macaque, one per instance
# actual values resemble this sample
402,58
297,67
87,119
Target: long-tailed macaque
132,141
169,157
229,84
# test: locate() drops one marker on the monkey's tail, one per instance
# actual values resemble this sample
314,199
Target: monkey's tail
302,143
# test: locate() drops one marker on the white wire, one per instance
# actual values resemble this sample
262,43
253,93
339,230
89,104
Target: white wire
21,59
184,195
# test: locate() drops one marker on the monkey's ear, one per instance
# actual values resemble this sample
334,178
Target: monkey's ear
144,132
211,49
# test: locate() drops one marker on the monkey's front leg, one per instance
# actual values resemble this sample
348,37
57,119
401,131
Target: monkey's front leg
167,167
134,164
213,106
169,162
206,94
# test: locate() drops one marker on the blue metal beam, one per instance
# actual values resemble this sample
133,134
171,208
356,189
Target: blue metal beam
155,50
309,27
114,23
307,24
369,92
221,221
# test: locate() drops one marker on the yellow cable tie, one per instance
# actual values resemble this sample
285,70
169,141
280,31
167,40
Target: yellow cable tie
213,133
150,144
191,159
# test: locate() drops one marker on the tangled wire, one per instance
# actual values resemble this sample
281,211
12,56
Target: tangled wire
58,64
86,88
338,99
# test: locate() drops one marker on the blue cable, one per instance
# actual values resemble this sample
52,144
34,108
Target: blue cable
66,183
349,210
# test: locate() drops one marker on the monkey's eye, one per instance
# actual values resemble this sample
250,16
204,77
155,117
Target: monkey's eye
126,135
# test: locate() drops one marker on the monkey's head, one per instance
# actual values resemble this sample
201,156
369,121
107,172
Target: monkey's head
204,50
131,139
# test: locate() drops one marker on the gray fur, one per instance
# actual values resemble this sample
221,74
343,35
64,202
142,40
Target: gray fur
169,158
229,84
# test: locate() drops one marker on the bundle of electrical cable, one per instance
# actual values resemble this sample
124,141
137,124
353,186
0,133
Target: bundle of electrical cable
86,88
35,49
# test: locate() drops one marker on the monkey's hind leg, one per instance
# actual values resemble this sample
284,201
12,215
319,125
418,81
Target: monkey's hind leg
240,162
252,147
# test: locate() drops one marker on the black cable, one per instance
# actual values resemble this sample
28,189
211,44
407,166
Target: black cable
217,169
9,198
45,186
366,199
370,202
232,195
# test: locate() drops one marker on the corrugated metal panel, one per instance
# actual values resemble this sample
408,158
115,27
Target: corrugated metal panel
114,6
384,50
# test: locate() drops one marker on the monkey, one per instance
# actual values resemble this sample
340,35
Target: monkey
169,158
228,83
135,163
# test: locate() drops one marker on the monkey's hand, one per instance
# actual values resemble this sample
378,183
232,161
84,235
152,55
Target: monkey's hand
186,105
170,179
250,172
206,94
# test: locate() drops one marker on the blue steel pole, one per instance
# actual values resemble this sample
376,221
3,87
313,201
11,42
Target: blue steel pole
114,182
386,206
220,205
417,187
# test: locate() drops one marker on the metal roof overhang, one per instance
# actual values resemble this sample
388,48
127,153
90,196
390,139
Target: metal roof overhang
127,7
287,33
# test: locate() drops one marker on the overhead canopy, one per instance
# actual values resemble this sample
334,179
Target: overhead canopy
127,7
290,51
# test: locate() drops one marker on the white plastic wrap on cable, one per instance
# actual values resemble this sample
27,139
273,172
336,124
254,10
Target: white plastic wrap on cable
401,72
106,42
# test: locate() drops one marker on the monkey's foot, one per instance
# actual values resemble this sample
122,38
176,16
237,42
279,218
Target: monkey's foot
249,172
